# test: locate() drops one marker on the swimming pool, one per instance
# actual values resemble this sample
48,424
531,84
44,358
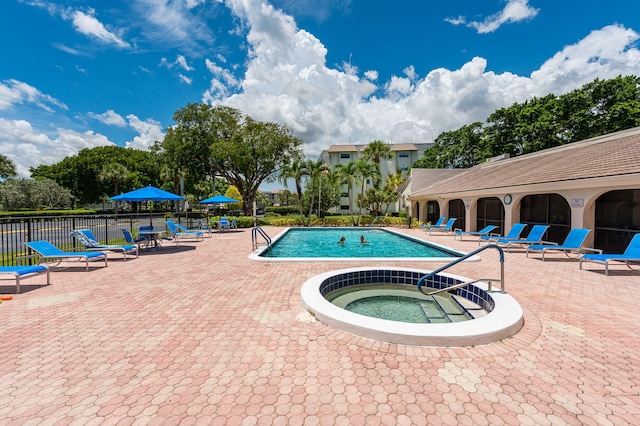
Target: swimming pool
322,244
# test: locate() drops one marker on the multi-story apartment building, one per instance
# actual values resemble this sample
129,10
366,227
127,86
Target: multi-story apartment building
404,155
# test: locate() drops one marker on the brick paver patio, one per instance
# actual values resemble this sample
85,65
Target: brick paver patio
201,335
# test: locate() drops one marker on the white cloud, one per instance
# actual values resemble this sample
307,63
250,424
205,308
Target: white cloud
514,11
287,81
148,131
185,79
190,4
28,147
181,61
371,75
173,23
604,53
460,20
88,25
222,81
17,92
110,117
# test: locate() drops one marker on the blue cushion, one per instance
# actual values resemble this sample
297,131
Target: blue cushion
22,270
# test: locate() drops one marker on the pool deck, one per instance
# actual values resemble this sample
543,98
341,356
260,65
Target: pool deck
201,335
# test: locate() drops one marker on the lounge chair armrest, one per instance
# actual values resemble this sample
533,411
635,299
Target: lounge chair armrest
19,259
548,243
74,249
593,250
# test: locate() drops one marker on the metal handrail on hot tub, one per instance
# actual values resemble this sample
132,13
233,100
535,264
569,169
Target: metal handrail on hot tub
448,265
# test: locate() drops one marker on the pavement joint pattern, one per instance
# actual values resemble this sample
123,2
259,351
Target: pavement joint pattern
199,334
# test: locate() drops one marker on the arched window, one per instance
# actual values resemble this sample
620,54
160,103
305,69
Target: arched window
490,212
617,219
547,209
433,211
457,210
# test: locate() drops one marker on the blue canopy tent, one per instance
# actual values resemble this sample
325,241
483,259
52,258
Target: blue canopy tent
149,193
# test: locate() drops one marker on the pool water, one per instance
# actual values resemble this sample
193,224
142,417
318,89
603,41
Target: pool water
381,243
404,303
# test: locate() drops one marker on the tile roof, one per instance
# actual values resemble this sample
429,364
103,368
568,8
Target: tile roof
404,147
343,148
615,154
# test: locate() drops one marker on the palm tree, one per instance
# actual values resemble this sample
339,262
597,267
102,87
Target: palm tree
364,170
297,170
315,169
392,186
114,173
347,173
377,151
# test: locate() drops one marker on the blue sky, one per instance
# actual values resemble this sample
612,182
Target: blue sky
78,74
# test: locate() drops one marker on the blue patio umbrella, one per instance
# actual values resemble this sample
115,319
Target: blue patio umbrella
218,199
149,193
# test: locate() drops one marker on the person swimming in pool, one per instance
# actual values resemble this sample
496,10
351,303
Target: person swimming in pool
342,239
363,240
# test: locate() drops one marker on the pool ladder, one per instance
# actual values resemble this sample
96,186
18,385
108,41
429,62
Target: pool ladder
422,280
374,221
254,238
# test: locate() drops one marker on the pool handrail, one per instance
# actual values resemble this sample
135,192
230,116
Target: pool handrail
374,221
254,237
460,259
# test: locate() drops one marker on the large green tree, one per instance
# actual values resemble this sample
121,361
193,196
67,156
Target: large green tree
85,174
209,141
33,194
597,108
7,168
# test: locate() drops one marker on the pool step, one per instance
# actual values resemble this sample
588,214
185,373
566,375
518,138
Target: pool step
433,312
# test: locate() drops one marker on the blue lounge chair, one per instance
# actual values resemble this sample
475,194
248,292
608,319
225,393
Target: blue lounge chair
24,271
484,231
91,243
630,255
438,224
48,251
447,227
205,228
178,235
140,241
198,232
572,243
535,237
514,234
224,224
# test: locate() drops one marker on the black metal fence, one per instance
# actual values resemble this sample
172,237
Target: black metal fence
14,231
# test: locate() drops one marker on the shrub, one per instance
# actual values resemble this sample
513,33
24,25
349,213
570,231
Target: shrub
286,221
